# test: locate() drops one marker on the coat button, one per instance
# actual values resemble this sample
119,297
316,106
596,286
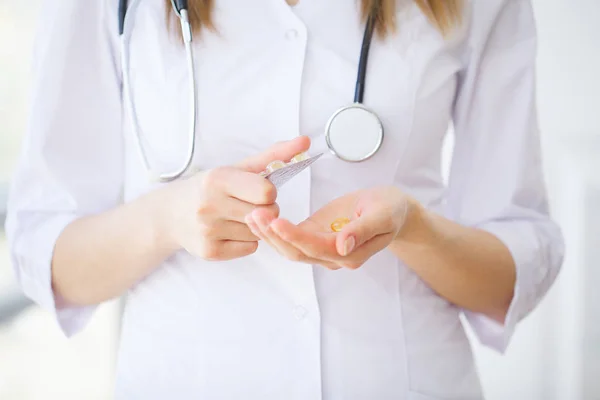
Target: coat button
291,34
300,312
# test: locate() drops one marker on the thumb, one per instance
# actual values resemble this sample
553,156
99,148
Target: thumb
360,231
283,151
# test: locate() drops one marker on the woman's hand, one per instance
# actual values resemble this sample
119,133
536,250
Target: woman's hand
205,213
377,216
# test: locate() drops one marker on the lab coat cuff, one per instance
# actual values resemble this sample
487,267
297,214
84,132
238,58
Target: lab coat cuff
521,240
35,275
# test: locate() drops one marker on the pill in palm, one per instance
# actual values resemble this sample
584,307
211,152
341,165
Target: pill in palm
339,224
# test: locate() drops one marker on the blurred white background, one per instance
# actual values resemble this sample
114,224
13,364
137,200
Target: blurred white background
555,354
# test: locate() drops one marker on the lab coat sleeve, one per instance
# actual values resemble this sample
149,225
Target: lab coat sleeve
71,162
496,181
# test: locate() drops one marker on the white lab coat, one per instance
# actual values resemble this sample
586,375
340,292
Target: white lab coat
263,327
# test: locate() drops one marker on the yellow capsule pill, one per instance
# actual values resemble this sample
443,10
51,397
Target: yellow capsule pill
299,157
275,165
339,224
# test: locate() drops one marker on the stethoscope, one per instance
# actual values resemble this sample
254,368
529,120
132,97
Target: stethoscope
354,133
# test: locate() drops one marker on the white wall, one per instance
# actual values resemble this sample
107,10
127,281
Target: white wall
569,66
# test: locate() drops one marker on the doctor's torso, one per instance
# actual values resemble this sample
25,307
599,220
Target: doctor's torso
263,327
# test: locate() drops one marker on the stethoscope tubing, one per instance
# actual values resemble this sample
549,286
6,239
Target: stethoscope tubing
361,76
187,36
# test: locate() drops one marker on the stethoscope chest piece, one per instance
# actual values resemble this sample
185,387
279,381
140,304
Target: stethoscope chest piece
354,133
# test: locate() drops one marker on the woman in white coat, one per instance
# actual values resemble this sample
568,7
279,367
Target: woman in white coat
236,289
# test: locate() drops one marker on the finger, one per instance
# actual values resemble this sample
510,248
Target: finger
232,230
307,258
284,248
237,210
316,245
361,230
291,252
226,250
262,222
242,185
363,253
283,151
254,228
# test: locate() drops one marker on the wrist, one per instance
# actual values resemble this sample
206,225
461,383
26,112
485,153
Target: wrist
418,228
158,209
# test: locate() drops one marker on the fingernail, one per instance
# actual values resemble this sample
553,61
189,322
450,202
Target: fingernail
349,244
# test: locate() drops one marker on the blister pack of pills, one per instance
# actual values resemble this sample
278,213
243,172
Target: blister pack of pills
279,172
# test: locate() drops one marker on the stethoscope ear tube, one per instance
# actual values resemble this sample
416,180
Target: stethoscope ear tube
122,12
359,91
179,5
